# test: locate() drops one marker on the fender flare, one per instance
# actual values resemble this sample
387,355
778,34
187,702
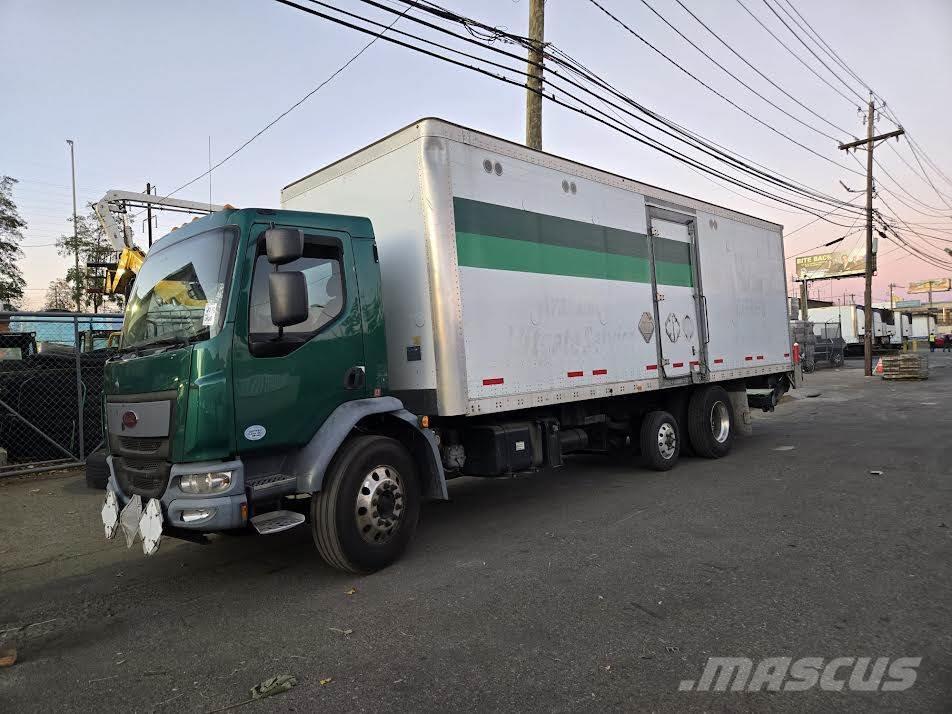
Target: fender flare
311,462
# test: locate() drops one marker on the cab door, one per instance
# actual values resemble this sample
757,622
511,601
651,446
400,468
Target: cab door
287,384
677,296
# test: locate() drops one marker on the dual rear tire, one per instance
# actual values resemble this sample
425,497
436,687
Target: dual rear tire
709,422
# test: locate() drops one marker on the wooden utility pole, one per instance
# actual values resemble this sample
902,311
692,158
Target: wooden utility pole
869,142
534,75
804,300
72,164
148,212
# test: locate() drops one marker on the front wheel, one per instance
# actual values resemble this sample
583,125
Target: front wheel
367,511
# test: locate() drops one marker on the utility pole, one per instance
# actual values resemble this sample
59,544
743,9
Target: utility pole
148,213
72,163
892,301
804,300
869,142
534,75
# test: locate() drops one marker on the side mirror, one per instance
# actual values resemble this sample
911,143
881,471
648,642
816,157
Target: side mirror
284,245
288,292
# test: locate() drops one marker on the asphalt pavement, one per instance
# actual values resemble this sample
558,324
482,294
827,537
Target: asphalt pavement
596,587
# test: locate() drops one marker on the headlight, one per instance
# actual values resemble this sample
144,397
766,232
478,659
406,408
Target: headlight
213,482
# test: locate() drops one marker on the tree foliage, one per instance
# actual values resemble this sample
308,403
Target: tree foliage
11,236
59,296
94,247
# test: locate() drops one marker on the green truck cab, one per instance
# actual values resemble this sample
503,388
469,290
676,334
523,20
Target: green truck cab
253,348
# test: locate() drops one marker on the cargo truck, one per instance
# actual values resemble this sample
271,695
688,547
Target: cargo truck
441,303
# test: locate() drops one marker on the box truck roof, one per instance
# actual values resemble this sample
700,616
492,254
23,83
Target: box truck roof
434,126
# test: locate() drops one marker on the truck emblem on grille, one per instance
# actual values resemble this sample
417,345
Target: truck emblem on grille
129,420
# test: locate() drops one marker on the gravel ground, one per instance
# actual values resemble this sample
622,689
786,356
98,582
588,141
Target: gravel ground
595,587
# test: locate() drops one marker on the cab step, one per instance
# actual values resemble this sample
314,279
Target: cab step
276,521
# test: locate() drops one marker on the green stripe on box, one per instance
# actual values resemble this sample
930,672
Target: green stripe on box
501,238
490,219
479,251
673,273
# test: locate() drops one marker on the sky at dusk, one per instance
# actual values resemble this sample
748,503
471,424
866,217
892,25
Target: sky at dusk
141,86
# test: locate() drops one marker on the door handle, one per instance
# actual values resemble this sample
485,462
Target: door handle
354,377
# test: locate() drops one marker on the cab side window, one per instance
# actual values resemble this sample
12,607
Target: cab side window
321,265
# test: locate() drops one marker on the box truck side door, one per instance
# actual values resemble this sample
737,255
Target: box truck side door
673,263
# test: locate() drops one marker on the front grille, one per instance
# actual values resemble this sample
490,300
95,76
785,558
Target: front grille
146,477
141,444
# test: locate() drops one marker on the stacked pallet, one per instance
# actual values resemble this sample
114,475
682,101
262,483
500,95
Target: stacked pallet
801,332
907,365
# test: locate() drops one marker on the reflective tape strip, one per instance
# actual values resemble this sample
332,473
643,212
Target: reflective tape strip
493,381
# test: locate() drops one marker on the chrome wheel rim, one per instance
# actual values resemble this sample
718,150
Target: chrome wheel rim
720,422
380,505
667,441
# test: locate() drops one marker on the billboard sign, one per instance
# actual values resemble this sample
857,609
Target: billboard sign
833,265
908,303
938,285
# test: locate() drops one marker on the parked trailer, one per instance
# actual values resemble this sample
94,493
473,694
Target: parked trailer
923,326
852,321
501,308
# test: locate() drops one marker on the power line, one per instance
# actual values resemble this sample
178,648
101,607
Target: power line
827,244
290,109
797,56
810,50
764,76
485,33
815,36
734,76
828,49
717,93
604,118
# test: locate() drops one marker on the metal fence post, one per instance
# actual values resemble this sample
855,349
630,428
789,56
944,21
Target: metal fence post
80,411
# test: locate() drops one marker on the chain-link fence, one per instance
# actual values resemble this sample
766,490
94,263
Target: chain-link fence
51,383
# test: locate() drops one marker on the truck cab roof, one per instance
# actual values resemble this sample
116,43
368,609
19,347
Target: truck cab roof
355,226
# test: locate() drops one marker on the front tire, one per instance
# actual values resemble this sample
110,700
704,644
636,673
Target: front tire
366,513
711,422
660,441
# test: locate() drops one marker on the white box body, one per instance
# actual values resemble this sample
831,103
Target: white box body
526,279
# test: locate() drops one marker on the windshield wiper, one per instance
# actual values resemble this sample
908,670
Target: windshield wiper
174,340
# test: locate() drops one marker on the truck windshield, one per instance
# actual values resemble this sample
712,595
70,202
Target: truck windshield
180,291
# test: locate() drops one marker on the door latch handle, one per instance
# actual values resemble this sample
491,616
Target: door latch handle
354,377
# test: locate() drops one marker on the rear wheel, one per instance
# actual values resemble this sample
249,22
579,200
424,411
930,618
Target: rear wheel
711,422
660,441
367,511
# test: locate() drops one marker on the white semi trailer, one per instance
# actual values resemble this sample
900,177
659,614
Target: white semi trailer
923,326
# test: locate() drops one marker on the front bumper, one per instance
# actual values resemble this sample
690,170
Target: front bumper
228,510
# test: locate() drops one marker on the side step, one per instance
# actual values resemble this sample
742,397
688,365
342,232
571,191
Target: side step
276,521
